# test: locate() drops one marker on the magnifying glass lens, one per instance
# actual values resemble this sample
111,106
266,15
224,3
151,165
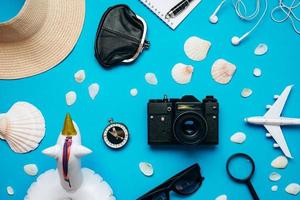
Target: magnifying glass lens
240,168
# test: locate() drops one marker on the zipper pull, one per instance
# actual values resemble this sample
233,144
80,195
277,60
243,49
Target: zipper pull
146,44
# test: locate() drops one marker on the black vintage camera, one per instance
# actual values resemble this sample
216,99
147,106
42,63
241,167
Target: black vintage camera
183,121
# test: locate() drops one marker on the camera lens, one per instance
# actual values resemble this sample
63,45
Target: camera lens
190,128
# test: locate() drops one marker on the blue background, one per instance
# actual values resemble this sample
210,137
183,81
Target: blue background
280,67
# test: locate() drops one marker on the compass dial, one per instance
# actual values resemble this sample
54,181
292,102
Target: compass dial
116,135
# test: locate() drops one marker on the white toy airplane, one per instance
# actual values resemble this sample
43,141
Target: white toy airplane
272,121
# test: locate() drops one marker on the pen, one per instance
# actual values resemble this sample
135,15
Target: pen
176,10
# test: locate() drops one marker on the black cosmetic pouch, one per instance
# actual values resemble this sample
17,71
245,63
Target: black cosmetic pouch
121,36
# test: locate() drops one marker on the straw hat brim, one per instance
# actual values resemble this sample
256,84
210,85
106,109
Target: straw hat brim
48,46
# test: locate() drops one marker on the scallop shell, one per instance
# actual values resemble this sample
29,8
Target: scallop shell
10,190
274,176
246,92
23,127
222,197
182,73
151,78
280,162
222,71
196,48
79,76
257,72
261,49
31,169
238,138
293,188
274,188
93,90
71,98
133,92
146,168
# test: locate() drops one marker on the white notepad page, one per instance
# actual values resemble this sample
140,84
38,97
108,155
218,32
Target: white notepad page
162,7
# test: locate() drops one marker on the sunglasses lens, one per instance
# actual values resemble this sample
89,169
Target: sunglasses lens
188,184
160,196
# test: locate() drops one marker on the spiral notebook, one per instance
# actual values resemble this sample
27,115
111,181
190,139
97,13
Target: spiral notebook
162,7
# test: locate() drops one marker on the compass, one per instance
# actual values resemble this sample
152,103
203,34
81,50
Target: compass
115,135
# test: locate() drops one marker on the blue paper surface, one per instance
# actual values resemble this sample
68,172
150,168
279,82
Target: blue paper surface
280,67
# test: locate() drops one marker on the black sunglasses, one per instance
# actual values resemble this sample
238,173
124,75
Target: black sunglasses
185,182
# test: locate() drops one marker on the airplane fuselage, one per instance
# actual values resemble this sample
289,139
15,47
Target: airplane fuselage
281,121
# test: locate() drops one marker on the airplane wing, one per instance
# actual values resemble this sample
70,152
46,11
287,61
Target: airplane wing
277,135
277,107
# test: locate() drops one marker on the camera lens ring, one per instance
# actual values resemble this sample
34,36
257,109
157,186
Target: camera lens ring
197,137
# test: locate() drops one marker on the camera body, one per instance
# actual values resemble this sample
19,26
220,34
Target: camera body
183,121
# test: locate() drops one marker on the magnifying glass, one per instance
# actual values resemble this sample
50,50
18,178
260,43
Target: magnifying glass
240,167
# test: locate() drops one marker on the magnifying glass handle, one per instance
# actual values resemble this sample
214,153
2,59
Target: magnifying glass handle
252,191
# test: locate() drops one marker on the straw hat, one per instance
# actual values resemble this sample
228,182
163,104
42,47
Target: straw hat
39,37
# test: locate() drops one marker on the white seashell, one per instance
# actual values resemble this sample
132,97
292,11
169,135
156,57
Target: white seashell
222,71
93,90
79,76
222,197
274,176
182,73
10,190
196,48
280,162
23,127
146,168
71,98
246,92
257,72
238,137
151,78
274,188
293,189
261,49
31,169
133,92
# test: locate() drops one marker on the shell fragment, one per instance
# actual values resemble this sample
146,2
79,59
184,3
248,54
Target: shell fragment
280,162
31,169
182,73
146,168
246,92
293,188
261,49
274,188
196,48
79,76
257,72
10,190
133,92
93,90
151,78
71,98
274,176
222,197
238,138
222,71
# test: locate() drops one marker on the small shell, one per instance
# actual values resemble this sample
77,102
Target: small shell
151,78
10,190
79,76
196,48
257,72
146,168
133,92
274,188
261,49
222,197
222,71
246,92
182,73
93,90
293,188
71,98
31,169
274,176
280,162
238,138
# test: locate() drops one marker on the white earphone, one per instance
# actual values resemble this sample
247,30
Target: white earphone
235,40
214,18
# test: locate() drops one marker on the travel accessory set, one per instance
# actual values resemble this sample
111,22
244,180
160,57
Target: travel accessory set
184,183
41,36
121,37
